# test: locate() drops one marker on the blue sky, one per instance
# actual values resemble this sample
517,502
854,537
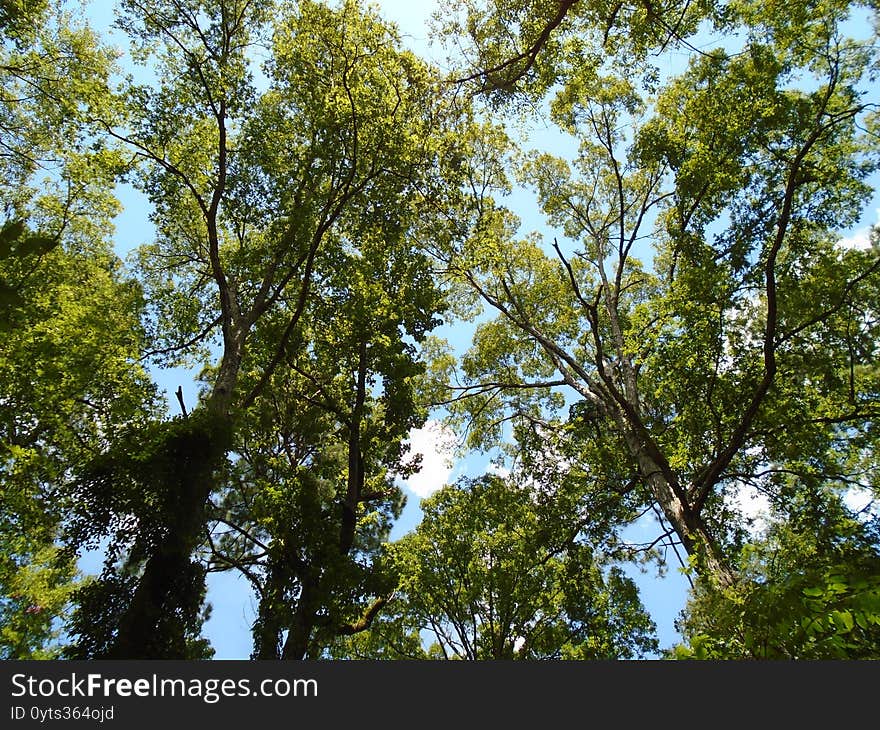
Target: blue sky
233,606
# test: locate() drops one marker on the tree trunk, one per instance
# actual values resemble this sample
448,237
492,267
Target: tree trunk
166,603
300,632
167,600
688,525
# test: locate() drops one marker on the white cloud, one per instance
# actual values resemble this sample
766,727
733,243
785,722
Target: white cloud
858,499
860,239
436,443
752,505
498,470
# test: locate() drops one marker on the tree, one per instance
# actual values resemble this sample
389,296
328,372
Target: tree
495,570
313,494
520,49
69,316
742,352
810,591
53,172
70,374
250,190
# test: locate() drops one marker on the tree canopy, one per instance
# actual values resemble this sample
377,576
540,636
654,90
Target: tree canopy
666,316
495,570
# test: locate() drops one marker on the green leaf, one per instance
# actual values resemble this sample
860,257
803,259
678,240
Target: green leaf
843,620
36,245
9,234
10,300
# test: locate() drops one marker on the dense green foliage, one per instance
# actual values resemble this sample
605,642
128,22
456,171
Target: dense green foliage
802,595
495,570
687,327
69,316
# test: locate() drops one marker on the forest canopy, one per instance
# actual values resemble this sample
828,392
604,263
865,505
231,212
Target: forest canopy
618,249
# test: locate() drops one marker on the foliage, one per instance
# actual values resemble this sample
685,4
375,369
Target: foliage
496,571
526,47
16,242
69,315
696,300
693,327
69,373
35,594
141,492
801,596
